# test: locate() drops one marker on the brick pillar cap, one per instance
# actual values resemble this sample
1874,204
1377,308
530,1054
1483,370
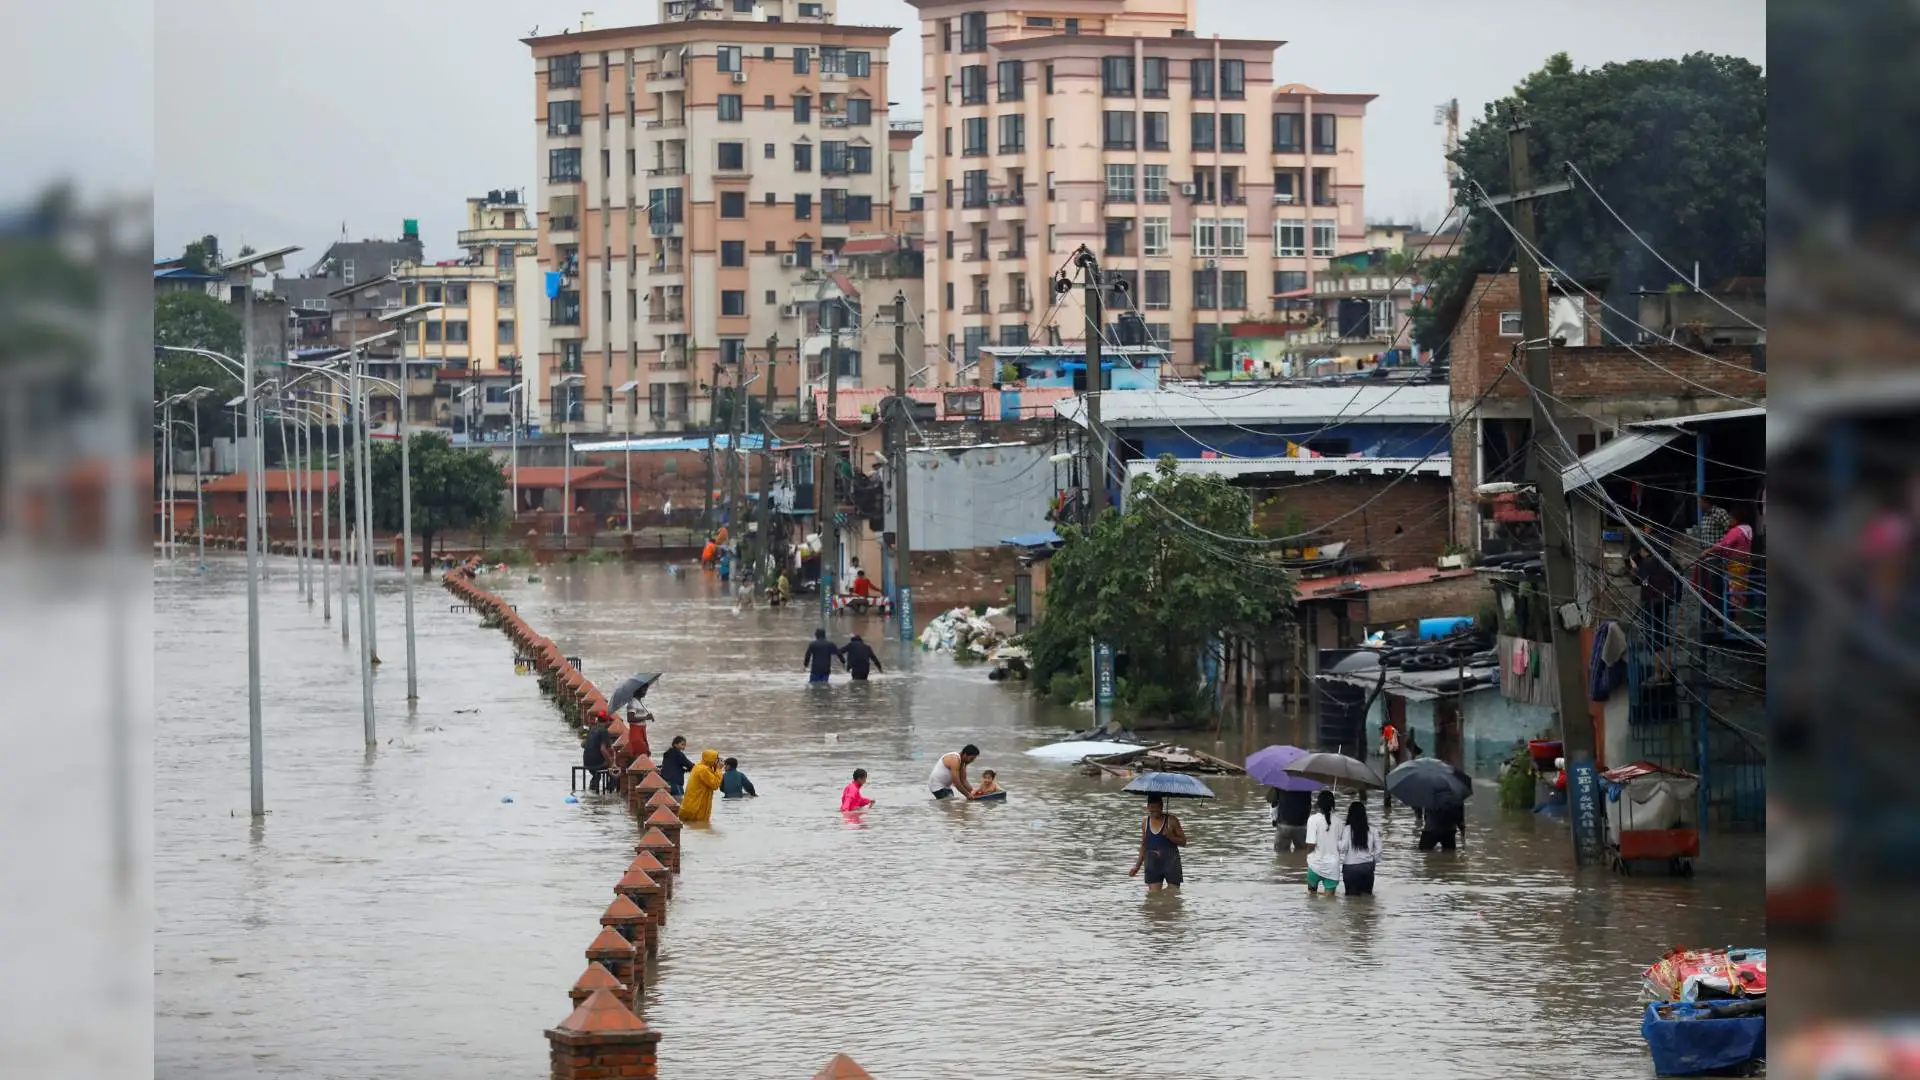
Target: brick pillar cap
622,910
597,977
663,817
609,944
602,1018
647,863
639,880
641,764
842,1067
655,839
652,782
663,799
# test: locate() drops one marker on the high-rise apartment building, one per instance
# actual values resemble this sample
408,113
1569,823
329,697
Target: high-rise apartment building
1211,190
691,172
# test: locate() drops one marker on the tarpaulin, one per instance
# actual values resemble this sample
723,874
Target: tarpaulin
1686,1043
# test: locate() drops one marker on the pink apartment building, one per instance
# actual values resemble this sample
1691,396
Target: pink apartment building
1200,180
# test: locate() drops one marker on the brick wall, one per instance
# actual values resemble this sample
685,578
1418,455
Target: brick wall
1432,600
950,578
1416,506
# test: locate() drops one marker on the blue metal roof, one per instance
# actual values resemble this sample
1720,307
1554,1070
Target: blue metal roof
642,446
1034,539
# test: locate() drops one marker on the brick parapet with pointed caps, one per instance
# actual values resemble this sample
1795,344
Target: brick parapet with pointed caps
619,956
842,1067
602,1039
648,863
596,977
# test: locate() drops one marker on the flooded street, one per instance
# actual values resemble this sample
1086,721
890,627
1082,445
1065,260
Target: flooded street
395,917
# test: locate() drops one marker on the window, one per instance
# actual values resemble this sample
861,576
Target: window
1049,74
456,330
1073,26
1156,236
976,336
803,110
563,165
1053,238
1049,187
1040,20
657,401
1233,133
1012,80
1510,324
973,31
802,157
1206,296
563,117
1230,185
1013,133
1153,76
733,302
973,136
768,151
504,292
433,333
1289,281
802,60
1324,127
727,58
1119,236
563,71
1323,232
859,112
1233,237
859,64
1233,79
1049,131
456,296
730,109
1159,291
1286,133
1200,76
859,159
1117,127
1233,290
1286,186
1116,76
803,206
1290,238
606,163
733,204
946,141
1119,183
973,84
1203,131
946,35
1153,184
1017,184
833,157
802,254
733,156
733,253
949,296
1383,319
1158,131
733,350
1206,236
833,60
743,6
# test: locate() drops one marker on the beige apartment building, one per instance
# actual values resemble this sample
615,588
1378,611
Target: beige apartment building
463,360
692,172
1204,183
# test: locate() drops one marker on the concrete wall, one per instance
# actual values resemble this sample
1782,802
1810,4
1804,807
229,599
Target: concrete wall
973,498
1490,725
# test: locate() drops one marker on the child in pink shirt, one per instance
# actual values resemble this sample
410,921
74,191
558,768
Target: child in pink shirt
850,797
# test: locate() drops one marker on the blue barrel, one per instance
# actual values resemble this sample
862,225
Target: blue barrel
1439,628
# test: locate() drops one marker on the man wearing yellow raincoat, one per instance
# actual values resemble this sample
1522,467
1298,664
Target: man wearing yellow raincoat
702,782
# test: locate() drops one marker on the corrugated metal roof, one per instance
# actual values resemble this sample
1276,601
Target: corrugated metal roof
1201,405
1629,447
1437,465
1369,582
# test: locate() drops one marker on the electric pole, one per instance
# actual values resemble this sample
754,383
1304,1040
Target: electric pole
902,530
1096,474
713,427
764,512
736,465
1576,728
829,480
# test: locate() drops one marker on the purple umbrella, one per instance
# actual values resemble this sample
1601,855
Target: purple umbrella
1269,767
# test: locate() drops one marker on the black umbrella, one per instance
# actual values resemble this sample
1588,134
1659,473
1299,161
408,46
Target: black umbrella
1429,784
632,690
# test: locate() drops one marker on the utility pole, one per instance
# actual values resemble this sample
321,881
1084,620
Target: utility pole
736,463
764,512
1096,474
902,526
830,480
713,428
1576,729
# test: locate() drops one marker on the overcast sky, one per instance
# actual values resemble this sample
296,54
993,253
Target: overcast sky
278,123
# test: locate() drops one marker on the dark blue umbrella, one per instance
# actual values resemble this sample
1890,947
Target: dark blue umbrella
1429,784
1269,766
632,690
1169,783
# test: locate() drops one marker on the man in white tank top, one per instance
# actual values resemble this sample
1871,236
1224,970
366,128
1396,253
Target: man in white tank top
950,773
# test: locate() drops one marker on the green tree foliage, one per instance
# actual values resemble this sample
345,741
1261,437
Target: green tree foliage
1158,591
1678,147
195,320
203,255
453,488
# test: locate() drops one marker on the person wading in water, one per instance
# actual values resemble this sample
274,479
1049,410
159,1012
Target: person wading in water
820,657
950,773
1161,839
858,656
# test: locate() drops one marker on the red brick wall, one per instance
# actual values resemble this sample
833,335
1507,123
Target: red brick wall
1433,600
1416,505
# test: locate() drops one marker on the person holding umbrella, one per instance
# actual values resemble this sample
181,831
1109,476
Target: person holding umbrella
1290,795
1161,838
1323,847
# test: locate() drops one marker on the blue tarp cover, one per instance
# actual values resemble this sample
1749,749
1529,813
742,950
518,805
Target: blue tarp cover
1034,539
1683,1047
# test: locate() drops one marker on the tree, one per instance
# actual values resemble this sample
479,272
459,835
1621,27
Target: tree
1158,589
195,320
453,488
1678,147
203,255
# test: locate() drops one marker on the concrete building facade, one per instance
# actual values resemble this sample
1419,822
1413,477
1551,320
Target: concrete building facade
691,171
1202,180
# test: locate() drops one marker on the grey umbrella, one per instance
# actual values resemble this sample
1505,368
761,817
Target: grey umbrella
1429,784
1336,769
633,689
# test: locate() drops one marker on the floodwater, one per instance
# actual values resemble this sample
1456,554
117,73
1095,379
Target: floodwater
394,916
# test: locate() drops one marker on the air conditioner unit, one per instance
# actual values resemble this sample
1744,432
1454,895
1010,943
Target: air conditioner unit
789,311
789,261
739,76
1283,197
1188,189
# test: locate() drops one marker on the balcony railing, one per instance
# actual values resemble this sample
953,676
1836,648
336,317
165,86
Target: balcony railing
660,123
562,223
974,309
667,170
667,315
1022,304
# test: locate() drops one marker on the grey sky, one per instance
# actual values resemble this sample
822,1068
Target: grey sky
275,123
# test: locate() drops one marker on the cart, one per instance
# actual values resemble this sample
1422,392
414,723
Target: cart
1652,820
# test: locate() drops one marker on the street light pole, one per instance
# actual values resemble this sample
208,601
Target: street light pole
513,454
166,478
199,515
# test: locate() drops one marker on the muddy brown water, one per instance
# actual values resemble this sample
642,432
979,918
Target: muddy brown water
393,916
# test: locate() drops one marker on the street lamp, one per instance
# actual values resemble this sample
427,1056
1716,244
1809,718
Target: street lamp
566,465
398,320
626,389
513,453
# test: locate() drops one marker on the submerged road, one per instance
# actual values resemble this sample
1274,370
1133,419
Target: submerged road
394,914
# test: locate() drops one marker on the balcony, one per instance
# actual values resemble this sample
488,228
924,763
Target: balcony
656,77
1161,195
1233,200
672,358
1014,253
667,170
559,223
665,123
667,315
1021,304
673,266
974,309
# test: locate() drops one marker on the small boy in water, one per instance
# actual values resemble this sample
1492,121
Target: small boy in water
850,796
734,783
988,786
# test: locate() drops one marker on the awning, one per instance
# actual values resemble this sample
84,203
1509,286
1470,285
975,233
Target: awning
1623,451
